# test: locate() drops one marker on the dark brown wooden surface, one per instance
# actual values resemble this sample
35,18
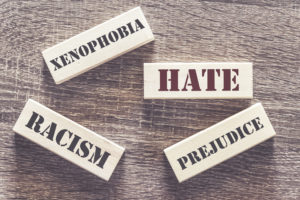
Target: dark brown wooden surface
109,98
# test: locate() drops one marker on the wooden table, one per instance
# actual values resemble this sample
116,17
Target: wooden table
109,99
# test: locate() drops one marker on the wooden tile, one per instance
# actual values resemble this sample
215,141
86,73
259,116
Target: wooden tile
198,80
98,45
219,142
68,139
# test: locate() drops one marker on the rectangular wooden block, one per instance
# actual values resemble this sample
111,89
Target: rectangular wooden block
68,139
219,142
98,45
198,80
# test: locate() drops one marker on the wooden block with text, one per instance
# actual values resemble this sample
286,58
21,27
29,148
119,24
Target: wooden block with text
68,139
219,142
198,80
98,45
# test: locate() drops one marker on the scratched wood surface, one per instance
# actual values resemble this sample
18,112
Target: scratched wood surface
109,99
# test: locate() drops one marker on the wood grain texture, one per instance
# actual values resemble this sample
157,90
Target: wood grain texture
100,160
98,45
109,99
205,149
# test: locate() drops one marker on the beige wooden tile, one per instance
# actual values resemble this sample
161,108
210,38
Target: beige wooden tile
198,80
219,142
68,139
98,45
